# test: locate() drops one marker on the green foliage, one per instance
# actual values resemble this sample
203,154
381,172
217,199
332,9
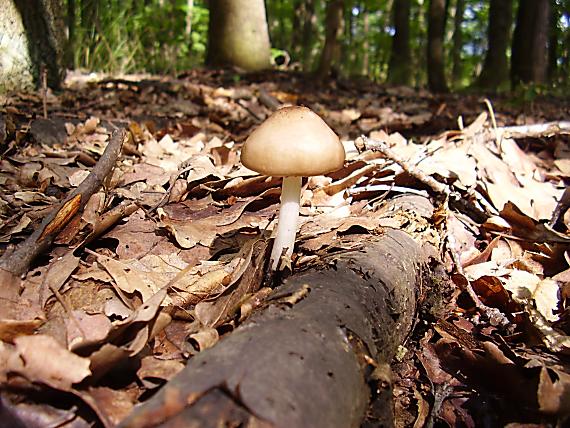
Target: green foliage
133,37
154,36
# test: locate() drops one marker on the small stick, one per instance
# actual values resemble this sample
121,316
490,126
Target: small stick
536,130
379,146
19,260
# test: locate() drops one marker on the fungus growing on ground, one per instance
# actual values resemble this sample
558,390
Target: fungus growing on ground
294,142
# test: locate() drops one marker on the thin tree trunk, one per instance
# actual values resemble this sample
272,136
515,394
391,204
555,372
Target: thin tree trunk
529,61
309,20
89,12
70,46
296,42
365,43
495,70
330,53
437,15
553,43
400,67
189,14
566,51
238,34
457,71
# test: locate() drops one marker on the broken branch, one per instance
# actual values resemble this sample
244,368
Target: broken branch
17,262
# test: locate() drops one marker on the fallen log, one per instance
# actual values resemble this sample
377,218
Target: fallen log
318,353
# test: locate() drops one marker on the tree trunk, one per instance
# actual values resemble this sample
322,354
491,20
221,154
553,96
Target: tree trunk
70,46
529,61
309,20
457,70
31,40
89,16
437,15
238,34
495,70
565,69
308,359
333,29
365,44
400,68
189,15
302,35
553,43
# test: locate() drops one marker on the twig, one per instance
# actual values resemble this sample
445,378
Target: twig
268,100
378,146
498,138
111,217
18,261
537,130
386,187
556,221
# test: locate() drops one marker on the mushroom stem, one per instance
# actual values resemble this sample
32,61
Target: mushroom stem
288,218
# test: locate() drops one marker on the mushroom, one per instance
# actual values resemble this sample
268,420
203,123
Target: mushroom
294,142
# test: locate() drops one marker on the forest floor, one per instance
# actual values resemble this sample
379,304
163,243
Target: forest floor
178,211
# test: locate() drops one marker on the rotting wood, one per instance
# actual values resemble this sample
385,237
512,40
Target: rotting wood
17,262
318,353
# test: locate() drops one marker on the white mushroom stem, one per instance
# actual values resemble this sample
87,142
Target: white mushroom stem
288,218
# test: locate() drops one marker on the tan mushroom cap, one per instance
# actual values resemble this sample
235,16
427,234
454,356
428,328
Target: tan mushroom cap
293,141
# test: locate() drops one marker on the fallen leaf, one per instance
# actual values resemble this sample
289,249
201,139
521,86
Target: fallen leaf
44,360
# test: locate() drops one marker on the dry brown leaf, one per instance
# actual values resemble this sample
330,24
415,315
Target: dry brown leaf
114,404
527,287
554,392
204,339
155,368
57,274
84,329
247,275
19,317
44,360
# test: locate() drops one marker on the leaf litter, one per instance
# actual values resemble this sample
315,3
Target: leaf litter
170,254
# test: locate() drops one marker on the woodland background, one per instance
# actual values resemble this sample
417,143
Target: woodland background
431,274
439,44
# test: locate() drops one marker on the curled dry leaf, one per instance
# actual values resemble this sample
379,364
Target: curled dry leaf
527,288
84,329
42,359
154,371
205,338
247,277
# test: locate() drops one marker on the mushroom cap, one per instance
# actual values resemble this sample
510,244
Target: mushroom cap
293,141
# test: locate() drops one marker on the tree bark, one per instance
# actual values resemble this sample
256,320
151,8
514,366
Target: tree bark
70,45
333,29
302,37
457,70
565,69
189,15
400,68
32,39
315,355
529,60
437,15
238,34
365,65
308,30
553,36
495,70
89,16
